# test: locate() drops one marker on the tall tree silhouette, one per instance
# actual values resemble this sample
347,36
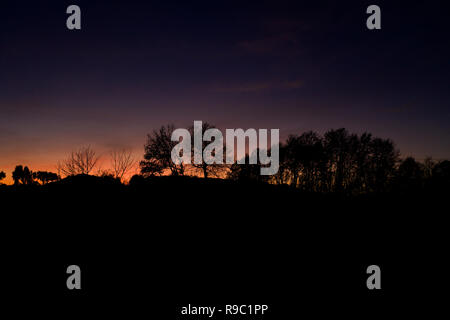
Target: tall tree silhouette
312,160
337,149
283,174
158,153
383,160
361,149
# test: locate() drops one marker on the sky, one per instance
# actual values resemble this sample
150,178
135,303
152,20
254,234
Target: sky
290,65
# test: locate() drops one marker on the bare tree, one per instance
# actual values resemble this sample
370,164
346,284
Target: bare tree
122,162
82,161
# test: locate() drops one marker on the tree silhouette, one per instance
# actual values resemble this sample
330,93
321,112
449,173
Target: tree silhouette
82,161
409,175
312,160
247,172
206,169
158,153
337,162
122,162
22,175
2,175
283,174
45,177
337,150
151,167
292,159
442,169
383,160
441,175
17,174
302,160
361,148
428,165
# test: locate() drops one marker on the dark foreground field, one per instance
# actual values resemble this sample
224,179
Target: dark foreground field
165,242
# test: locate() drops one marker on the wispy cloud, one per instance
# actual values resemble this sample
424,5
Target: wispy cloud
252,87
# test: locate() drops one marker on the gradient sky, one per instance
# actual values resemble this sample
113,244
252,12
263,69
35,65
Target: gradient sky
296,65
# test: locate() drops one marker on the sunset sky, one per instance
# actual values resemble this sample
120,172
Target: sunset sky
296,66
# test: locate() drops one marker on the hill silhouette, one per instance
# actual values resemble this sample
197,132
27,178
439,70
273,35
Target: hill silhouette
190,237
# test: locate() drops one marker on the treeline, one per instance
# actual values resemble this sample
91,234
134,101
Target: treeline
24,176
337,162
349,163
